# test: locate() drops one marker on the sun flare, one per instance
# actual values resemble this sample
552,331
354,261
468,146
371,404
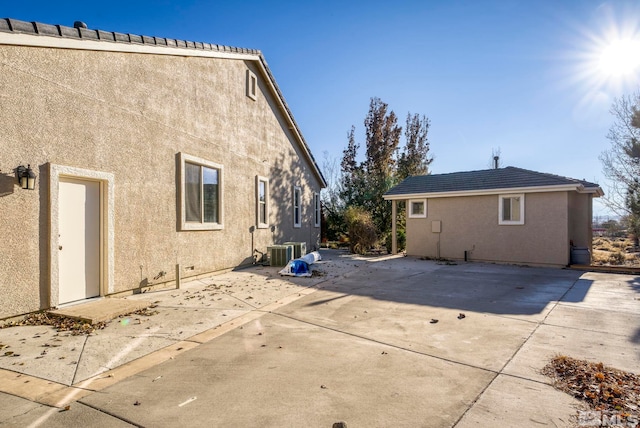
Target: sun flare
605,53
619,58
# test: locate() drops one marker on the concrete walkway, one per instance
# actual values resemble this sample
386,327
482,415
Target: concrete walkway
355,344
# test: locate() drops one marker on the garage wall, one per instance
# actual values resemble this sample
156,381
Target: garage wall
471,224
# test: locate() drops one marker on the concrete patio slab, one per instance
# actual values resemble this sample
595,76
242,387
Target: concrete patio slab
19,411
615,292
107,351
410,327
605,320
281,372
25,413
511,402
41,351
353,343
549,341
518,292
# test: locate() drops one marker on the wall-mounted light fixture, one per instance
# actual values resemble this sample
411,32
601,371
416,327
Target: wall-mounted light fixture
26,177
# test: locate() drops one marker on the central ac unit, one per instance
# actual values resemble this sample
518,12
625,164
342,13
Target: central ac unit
299,249
279,255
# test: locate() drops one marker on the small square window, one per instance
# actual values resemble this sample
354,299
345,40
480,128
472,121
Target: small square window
511,209
252,85
262,202
417,208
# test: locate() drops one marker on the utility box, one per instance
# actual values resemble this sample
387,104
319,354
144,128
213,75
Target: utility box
279,255
299,249
436,226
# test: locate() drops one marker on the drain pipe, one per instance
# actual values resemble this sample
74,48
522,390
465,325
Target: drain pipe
467,253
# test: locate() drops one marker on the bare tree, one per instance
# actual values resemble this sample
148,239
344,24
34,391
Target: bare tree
621,163
332,202
330,195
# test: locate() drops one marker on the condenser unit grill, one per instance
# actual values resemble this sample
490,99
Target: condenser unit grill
299,249
279,255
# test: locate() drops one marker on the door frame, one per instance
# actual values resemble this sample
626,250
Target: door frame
107,236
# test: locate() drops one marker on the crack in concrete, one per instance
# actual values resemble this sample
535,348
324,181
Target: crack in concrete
501,371
113,415
75,372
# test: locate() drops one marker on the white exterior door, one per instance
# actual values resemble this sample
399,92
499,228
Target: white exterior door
79,239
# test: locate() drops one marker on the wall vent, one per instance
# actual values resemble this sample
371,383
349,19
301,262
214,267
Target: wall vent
252,85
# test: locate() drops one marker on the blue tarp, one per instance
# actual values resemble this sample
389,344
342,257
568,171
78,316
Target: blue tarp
300,267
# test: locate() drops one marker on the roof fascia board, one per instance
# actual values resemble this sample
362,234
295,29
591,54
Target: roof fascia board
595,190
29,40
484,192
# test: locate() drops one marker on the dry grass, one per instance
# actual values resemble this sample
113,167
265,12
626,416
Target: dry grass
615,252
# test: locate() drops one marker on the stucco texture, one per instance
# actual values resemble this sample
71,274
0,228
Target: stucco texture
131,115
470,224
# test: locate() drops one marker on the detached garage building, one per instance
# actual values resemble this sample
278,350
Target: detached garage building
506,215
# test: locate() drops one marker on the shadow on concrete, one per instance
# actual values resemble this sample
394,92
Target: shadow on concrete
478,287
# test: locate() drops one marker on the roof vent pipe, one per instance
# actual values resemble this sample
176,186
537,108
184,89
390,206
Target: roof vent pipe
79,24
496,162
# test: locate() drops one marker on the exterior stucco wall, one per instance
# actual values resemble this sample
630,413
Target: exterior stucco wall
131,115
470,224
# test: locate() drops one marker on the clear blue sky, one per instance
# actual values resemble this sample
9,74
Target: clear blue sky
524,77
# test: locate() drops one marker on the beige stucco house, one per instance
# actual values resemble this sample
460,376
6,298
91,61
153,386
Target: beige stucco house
506,215
148,154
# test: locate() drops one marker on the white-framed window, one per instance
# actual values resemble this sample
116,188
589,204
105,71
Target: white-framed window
262,202
317,210
417,208
511,209
201,198
297,207
252,85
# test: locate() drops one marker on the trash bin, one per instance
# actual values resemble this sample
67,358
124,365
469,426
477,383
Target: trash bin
580,256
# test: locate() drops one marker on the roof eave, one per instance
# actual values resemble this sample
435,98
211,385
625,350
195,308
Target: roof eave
596,191
57,42
483,192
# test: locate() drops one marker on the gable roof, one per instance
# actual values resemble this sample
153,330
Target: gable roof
488,181
23,33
